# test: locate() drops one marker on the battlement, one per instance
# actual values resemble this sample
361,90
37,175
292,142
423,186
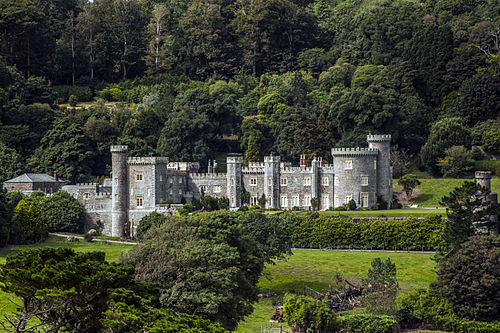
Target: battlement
208,176
119,149
235,159
87,184
378,137
256,164
102,195
253,170
272,159
147,160
483,175
354,151
296,170
184,166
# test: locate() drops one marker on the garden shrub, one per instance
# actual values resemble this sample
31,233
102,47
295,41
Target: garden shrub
81,93
369,323
305,314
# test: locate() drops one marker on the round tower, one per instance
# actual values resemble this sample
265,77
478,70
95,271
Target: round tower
119,217
384,170
234,171
483,178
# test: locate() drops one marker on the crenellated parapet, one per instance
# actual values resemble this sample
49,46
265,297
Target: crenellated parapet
147,160
378,137
354,152
208,176
297,170
119,149
253,170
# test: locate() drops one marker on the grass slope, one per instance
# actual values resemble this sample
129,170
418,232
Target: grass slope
317,269
113,252
432,190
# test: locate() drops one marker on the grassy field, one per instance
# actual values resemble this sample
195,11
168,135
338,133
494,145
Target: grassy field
432,190
317,270
113,252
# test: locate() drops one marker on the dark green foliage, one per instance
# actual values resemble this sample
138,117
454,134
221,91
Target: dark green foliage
444,134
470,278
151,220
408,182
27,225
369,323
425,307
11,163
62,288
351,205
491,141
81,93
466,212
207,263
62,212
457,162
339,232
305,314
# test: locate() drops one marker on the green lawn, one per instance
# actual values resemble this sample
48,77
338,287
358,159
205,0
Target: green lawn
317,269
113,252
432,190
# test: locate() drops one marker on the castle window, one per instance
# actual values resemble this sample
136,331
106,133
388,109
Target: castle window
217,189
283,181
131,191
375,164
364,200
348,164
171,192
149,191
307,200
269,181
336,181
325,201
116,181
171,180
336,200
139,176
139,201
232,181
307,181
324,181
86,196
180,180
180,191
253,200
203,188
161,178
348,197
284,201
295,201
253,181
364,180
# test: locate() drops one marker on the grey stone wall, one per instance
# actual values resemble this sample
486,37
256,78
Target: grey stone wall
214,184
350,165
272,181
119,190
384,170
234,173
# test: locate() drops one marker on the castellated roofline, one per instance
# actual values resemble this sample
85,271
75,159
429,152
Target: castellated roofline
483,175
378,137
147,160
233,158
119,149
354,152
272,158
209,175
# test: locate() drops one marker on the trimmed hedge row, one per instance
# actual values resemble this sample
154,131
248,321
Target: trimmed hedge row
313,231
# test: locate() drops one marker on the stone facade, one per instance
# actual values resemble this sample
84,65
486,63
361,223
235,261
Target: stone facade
141,185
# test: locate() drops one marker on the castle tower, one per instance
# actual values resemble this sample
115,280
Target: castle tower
483,178
119,214
314,179
272,181
384,170
234,171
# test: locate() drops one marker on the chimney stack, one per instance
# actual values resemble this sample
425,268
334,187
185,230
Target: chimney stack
56,178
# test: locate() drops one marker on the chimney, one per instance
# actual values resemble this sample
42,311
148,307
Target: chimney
483,178
302,160
56,178
209,166
320,162
216,167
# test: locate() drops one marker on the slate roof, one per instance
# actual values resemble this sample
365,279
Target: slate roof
34,178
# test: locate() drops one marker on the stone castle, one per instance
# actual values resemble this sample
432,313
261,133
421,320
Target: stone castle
141,185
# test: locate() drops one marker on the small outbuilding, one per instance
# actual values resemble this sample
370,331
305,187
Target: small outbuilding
29,182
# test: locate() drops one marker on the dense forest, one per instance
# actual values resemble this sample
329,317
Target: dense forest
194,79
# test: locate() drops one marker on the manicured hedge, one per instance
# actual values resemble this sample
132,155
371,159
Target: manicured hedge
312,231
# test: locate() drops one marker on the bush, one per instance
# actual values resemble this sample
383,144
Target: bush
369,323
305,314
148,221
27,226
110,94
62,212
351,205
72,100
81,93
89,235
